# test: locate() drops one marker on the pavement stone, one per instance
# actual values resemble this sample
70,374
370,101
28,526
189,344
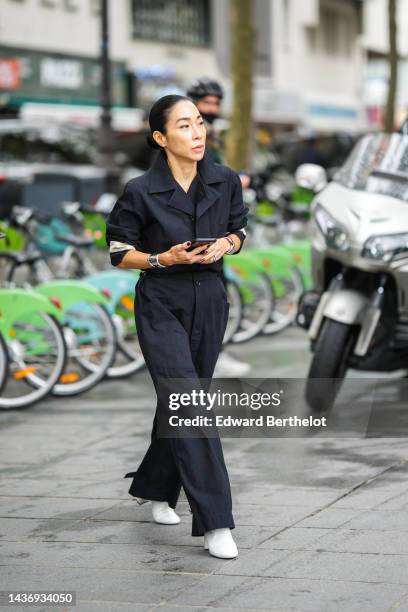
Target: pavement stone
295,538
290,595
357,567
100,584
52,507
340,540
116,532
330,518
381,520
158,558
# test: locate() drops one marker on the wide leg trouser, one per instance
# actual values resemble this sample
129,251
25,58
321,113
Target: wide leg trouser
181,320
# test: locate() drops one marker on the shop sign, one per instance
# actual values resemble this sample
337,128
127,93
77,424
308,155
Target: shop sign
9,74
61,73
36,76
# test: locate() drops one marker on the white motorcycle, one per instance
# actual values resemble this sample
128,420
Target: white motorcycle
357,316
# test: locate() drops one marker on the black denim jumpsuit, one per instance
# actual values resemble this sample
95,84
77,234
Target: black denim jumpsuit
181,314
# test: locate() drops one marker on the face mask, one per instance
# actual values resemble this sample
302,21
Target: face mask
209,117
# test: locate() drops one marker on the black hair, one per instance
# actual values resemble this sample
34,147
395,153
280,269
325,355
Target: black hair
158,116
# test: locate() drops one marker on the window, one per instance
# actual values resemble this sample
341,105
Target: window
174,21
336,30
286,24
95,6
70,5
311,37
334,37
330,31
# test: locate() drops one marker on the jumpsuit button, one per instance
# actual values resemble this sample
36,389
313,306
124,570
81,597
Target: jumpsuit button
197,283
192,217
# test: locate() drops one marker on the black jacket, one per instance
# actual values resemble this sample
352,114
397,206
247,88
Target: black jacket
154,213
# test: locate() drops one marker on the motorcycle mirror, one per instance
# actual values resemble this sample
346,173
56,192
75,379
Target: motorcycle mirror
311,177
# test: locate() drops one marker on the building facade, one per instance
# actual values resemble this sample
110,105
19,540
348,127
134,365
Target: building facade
318,58
376,69
49,50
309,57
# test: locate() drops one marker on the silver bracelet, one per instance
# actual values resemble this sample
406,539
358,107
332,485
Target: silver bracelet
154,261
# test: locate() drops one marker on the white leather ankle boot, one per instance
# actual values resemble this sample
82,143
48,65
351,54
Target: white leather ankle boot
220,543
163,514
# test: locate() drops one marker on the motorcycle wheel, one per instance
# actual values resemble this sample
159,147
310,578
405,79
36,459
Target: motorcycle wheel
329,364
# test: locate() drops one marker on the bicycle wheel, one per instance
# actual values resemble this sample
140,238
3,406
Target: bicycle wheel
91,340
258,304
4,362
120,285
129,358
287,291
235,311
36,353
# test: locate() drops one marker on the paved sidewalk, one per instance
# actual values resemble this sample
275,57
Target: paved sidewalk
321,524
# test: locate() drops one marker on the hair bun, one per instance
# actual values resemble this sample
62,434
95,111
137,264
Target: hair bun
152,143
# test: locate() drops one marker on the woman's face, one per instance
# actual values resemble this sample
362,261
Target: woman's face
185,132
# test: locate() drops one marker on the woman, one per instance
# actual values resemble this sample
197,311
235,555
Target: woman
181,305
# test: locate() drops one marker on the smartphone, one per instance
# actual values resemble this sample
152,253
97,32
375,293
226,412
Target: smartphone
200,241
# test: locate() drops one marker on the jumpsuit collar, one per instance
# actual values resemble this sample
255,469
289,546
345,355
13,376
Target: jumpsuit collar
162,181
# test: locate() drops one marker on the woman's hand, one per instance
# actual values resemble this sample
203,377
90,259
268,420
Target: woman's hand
215,251
179,255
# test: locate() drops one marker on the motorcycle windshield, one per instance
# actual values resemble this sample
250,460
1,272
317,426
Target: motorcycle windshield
378,164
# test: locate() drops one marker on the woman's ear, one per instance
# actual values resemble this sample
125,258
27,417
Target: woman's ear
159,138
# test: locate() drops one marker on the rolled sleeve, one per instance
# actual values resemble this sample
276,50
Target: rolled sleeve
124,225
238,218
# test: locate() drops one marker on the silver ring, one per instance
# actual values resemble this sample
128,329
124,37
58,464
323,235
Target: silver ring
214,258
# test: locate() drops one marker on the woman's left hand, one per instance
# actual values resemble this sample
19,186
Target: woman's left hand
215,251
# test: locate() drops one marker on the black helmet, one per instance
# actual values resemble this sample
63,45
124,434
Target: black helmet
204,87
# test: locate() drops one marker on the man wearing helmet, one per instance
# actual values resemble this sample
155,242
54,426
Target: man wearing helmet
207,96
